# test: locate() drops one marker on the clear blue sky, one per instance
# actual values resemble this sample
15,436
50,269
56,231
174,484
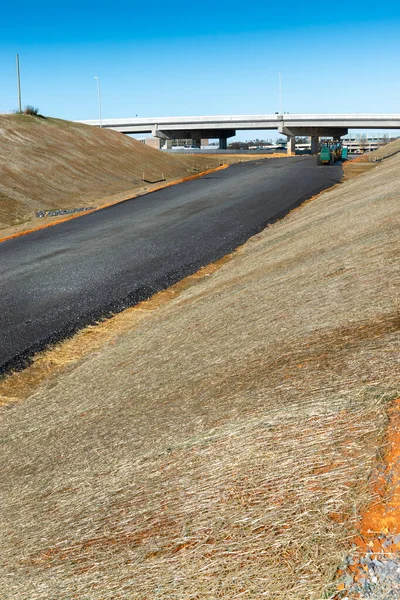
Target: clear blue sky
191,58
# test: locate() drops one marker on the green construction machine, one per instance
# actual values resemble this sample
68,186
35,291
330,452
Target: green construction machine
330,152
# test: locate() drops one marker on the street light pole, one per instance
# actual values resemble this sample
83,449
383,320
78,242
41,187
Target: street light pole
19,86
99,100
280,93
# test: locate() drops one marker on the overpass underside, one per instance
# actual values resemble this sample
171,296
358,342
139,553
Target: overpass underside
223,134
313,132
197,135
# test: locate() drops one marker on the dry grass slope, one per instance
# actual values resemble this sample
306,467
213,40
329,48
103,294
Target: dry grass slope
221,448
365,162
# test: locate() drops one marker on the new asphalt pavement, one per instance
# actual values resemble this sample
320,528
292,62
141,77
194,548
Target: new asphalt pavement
57,280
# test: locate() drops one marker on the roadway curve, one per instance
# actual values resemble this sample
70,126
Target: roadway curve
59,279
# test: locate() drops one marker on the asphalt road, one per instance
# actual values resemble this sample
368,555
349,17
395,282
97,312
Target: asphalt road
57,280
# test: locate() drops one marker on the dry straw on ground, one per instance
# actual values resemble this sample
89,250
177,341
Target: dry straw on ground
221,448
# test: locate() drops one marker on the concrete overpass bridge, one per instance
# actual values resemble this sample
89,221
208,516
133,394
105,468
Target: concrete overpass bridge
224,127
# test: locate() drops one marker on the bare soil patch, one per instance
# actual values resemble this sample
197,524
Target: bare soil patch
221,445
354,168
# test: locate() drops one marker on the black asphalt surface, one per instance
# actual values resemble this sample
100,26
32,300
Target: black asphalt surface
59,279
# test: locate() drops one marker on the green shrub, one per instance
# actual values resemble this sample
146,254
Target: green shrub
31,110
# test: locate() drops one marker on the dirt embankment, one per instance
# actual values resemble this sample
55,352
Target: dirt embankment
218,441
53,164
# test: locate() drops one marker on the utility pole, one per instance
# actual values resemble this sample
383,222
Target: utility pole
99,100
19,86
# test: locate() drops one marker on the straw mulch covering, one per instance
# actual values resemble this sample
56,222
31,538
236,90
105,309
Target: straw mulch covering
222,447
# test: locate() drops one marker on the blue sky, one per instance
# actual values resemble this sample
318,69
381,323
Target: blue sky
191,58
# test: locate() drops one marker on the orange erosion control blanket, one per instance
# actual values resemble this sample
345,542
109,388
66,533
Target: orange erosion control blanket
373,568
76,216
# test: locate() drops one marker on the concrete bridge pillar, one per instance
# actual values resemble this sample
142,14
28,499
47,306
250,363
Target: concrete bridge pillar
223,143
314,144
291,145
153,142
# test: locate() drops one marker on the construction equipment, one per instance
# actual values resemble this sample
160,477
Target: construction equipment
329,152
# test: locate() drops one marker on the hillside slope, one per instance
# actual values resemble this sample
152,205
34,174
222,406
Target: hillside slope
219,446
48,163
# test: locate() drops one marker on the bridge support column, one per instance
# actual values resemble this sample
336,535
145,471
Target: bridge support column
291,145
223,143
314,144
153,142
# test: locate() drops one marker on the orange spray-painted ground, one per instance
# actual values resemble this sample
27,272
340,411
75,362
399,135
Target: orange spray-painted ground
378,542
